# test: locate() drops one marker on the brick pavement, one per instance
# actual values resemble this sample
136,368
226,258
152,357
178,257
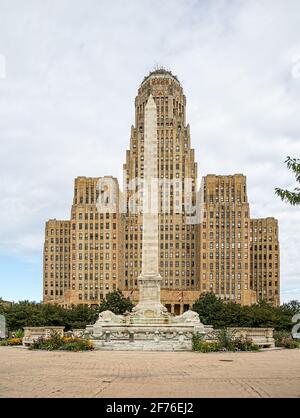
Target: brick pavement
26,373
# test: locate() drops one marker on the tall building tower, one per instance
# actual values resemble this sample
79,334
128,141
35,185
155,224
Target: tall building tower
175,163
265,260
83,257
56,261
224,239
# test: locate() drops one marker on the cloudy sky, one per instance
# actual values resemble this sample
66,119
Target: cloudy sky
69,73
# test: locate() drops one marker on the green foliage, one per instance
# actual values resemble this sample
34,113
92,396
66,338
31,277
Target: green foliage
11,341
292,306
226,339
244,344
209,308
279,335
25,313
230,342
33,314
285,339
19,333
220,314
79,316
289,343
205,346
116,302
293,197
77,344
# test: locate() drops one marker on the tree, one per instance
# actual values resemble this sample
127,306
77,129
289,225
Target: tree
218,313
292,307
292,197
78,316
209,308
116,302
25,313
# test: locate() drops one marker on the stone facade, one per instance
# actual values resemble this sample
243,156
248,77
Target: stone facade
82,257
175,163
96,252
56,261
224,239
265,259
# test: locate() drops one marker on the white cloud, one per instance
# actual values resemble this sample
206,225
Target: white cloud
67,102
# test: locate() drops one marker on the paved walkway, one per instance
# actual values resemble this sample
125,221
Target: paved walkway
26,373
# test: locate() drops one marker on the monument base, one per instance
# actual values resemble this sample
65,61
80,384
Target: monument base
145,333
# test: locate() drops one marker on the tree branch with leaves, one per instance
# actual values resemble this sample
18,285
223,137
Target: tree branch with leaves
292,197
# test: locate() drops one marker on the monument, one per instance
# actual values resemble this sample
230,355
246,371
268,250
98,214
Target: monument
2,327
149,326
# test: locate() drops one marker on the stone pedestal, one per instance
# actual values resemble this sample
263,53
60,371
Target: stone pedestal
149,333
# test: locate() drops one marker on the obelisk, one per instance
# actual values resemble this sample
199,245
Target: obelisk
150,279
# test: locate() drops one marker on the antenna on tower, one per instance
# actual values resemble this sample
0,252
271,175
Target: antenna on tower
159,67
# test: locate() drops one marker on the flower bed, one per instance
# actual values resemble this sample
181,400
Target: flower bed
11,341
56,342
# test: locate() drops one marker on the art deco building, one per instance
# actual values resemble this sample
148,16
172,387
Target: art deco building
82,257
56,260
225,239
204,237
177,241
264,255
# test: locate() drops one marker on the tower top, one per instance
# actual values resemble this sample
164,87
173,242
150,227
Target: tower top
160,71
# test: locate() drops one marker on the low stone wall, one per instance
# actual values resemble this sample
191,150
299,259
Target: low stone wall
31,334
75,333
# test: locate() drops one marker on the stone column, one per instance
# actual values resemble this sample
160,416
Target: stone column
150,279
150,192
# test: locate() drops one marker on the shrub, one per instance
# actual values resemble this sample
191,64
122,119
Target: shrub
285,339
279,336
19,333
245,344
230,342
77,344
11,341
226,339
289,342
205,346
56,342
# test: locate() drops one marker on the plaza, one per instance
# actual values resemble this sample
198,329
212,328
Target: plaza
104,374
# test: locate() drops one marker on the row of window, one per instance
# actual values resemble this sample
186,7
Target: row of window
233,214
222,235
57,241
94,216
90,236
263,248
222,266
52,231
223,225
87,226
227,255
